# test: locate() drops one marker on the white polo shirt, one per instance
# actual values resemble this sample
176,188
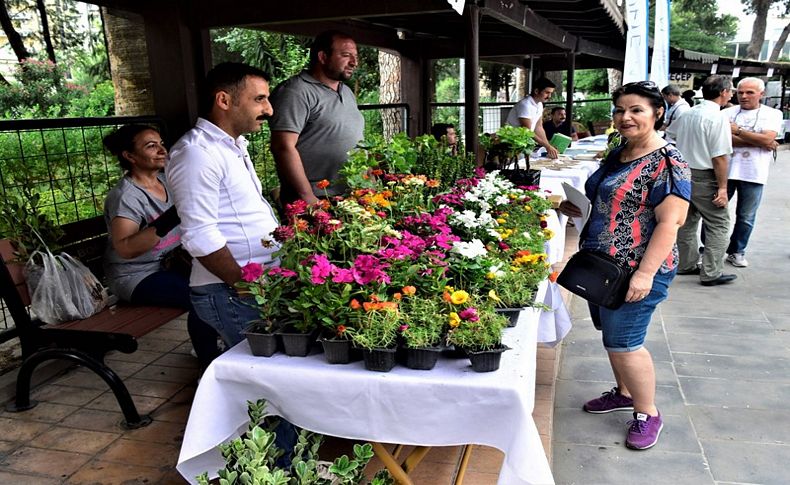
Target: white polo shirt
526,108
752,164
219,199
702,133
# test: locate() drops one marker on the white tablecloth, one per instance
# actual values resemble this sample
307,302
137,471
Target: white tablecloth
449,405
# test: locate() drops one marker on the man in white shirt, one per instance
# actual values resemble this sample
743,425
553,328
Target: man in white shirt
529,113
224,217
703,137
677,106
754,128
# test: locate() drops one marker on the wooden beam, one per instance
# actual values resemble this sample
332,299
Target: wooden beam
569,88
515,14
600,50
243,12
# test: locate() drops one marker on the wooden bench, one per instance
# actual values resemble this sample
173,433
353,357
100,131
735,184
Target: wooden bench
84,342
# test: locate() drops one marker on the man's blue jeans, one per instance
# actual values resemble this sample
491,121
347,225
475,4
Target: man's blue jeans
749,196
220,306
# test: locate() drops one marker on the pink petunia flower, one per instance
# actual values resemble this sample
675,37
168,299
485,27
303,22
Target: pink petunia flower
321,269
342,275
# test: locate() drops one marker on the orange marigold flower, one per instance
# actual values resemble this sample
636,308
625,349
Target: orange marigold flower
553,276
409,290
446,296
355,304
432,183
377,172
523,252
322,184
369,306
397,296
341,329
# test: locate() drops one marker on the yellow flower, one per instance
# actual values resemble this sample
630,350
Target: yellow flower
449,288
548,233
505,215
492,295
490,275
459,297
528,208
454,320
501,220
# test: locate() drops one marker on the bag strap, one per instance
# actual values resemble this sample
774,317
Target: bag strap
608,164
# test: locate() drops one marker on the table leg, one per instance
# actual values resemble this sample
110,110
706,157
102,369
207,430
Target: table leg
400,476
414,458
459,477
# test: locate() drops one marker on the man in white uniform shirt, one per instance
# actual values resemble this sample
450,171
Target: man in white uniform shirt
754,127
224,217
677,106
703,137
529,113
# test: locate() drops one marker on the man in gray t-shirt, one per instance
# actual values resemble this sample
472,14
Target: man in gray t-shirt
316,120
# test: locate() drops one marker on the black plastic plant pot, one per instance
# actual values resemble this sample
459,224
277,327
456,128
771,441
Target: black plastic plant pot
261,344
337,351
379,360
423,358
512,314
297,344
487,360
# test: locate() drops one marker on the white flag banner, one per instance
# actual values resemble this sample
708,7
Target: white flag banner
659,65
635,68
458,5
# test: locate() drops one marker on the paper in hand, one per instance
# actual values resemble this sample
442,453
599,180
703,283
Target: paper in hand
581,201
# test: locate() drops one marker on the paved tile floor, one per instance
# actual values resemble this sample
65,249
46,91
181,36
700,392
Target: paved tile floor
722,357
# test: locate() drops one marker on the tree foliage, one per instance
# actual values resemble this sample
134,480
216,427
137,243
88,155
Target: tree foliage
697,25
591,81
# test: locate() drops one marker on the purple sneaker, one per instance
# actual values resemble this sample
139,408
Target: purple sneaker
608,402
643,431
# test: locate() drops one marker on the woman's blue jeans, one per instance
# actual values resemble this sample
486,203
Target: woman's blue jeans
171,289
749,196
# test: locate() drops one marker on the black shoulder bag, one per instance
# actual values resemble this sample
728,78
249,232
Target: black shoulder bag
595,276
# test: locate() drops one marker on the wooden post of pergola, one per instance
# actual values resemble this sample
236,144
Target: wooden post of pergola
472,77
569,89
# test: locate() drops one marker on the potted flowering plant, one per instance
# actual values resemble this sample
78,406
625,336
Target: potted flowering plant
271,288
376,325
423,327
476,328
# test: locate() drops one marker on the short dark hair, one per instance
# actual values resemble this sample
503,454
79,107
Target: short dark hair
323,43
714,85
440,129
671,89
227,76
557,108
647,90
542,83
122,140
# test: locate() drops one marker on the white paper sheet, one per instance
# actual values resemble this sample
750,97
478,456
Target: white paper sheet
577,198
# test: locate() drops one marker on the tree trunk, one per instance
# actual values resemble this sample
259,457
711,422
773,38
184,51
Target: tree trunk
12,35
128,55
615,78
780,43
42,13
522,84
761,8
389,92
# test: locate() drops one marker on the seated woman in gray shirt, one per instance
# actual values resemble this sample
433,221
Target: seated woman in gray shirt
143,226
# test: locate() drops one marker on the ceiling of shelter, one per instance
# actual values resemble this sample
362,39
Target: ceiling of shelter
509,30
